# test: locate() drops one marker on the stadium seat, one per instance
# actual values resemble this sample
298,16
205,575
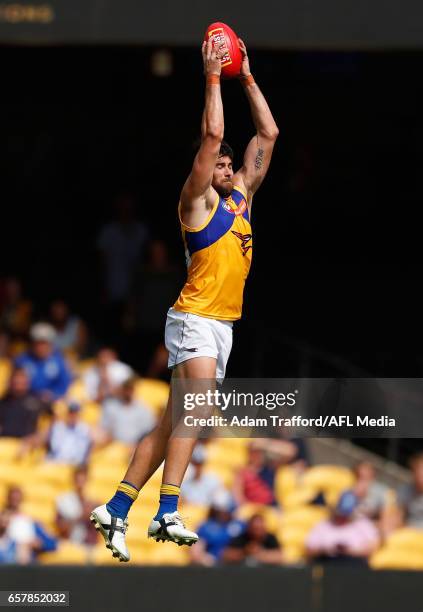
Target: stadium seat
67,553
393,559
271,515
193,514
328,478
8,449
407,539
43,493
5,371
286,482
115,453
41,511
154,393
58,474
77,392
304,516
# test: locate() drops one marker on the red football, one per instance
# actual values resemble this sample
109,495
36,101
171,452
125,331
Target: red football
231,63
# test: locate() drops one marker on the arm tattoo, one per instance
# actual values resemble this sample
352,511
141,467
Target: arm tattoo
259,159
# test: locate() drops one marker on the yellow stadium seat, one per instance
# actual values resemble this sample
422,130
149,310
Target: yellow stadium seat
58,474
39,511
111,455
8,449
67,553
42,493
77,392
293,554
407,539
286,482
330,479
154,393
271,515
304,516
193,514
167,553
298,498
393,559
83,365
225,473
5,371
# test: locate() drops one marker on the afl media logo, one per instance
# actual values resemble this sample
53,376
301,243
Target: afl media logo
238,210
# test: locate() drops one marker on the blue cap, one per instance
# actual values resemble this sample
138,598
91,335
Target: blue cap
347,503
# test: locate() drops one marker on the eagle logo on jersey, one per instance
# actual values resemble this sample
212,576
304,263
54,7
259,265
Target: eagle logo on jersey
244,239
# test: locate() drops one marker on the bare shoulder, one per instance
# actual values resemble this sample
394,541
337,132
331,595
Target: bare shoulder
195,210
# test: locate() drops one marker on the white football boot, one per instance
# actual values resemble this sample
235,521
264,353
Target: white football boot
113,530
171,528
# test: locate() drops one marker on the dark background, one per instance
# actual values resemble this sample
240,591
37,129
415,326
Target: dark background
335,283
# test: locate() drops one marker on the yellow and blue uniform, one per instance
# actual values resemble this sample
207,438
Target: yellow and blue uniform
218,257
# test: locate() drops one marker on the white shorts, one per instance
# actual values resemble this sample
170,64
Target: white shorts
188,336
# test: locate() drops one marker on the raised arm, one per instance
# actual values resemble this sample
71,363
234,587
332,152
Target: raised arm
259,151
197,195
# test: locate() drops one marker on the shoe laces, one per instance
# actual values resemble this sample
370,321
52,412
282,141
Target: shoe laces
179,520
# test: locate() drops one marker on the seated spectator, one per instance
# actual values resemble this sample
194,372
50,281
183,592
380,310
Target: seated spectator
30,536
20,527
254,546
69,441
49,374
71,331
10,550
410,496
15,311
255,482
217,531
20,409
344,537
74,509
102,380
371,494
124,418
198,486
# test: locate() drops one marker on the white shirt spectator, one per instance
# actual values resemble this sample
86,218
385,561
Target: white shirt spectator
21,529
126,422
199,491
116,371
69,444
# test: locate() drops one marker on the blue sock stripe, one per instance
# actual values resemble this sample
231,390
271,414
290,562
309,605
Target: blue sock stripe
168,503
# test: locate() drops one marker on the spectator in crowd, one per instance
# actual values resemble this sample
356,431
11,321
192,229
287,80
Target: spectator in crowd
20,527
15,311
11,552
217,531
371,494
255,482
125,418
20,409
74,509
120,244
49,374
71,331
156,286
106,376
30,536
344,537
410,496
254,546
198,486
69,441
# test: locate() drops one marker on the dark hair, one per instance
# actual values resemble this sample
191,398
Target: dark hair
226,150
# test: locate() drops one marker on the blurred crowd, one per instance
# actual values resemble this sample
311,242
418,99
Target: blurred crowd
66,397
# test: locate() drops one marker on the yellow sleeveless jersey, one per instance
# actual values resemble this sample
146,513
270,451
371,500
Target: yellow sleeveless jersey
218,258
